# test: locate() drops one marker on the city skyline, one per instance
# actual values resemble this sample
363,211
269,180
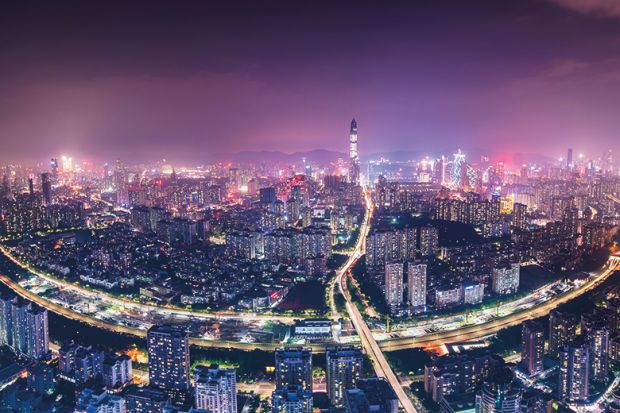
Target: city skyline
298,207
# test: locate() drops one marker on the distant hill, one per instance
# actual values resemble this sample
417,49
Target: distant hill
324,156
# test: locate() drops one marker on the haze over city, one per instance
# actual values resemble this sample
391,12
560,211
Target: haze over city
155,80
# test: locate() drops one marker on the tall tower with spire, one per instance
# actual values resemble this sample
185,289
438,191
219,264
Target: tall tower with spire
354,167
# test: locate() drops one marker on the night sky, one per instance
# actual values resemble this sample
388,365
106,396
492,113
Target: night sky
186,80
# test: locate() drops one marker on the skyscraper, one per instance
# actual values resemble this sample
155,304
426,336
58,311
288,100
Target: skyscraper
394,285
354,167
429,240
294,367
291,399
518,215
344,368
499,394
6,320
19,326
416,283
37,335
532,347
168,351
215,389
46,187
596,331
24,327
54,166
569,158
562,330
574,377
457,169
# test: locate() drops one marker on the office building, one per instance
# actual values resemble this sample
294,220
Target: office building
344,368
354,160
46,187
294,367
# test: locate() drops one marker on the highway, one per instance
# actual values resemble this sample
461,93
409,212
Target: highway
129,303
370,345
478,331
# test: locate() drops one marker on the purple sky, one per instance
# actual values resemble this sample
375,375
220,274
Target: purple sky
148,80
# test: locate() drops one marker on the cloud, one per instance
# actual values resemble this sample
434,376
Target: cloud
598,7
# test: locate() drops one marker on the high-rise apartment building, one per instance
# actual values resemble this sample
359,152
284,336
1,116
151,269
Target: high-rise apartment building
394,285
344,368
532,347
168,351
505,280
215,389
562,330
416,284
294,367
574,376
499,394
291,399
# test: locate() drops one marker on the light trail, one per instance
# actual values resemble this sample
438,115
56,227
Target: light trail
132,304
370,345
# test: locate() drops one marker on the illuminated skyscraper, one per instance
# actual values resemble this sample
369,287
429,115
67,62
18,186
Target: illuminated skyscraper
596,330
354,167
344,368
574,377
519,212
457,169
168,350
46,187
215,389
294,367
562,330
54,165
532,347
394,285
416,273
6,320
569,158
